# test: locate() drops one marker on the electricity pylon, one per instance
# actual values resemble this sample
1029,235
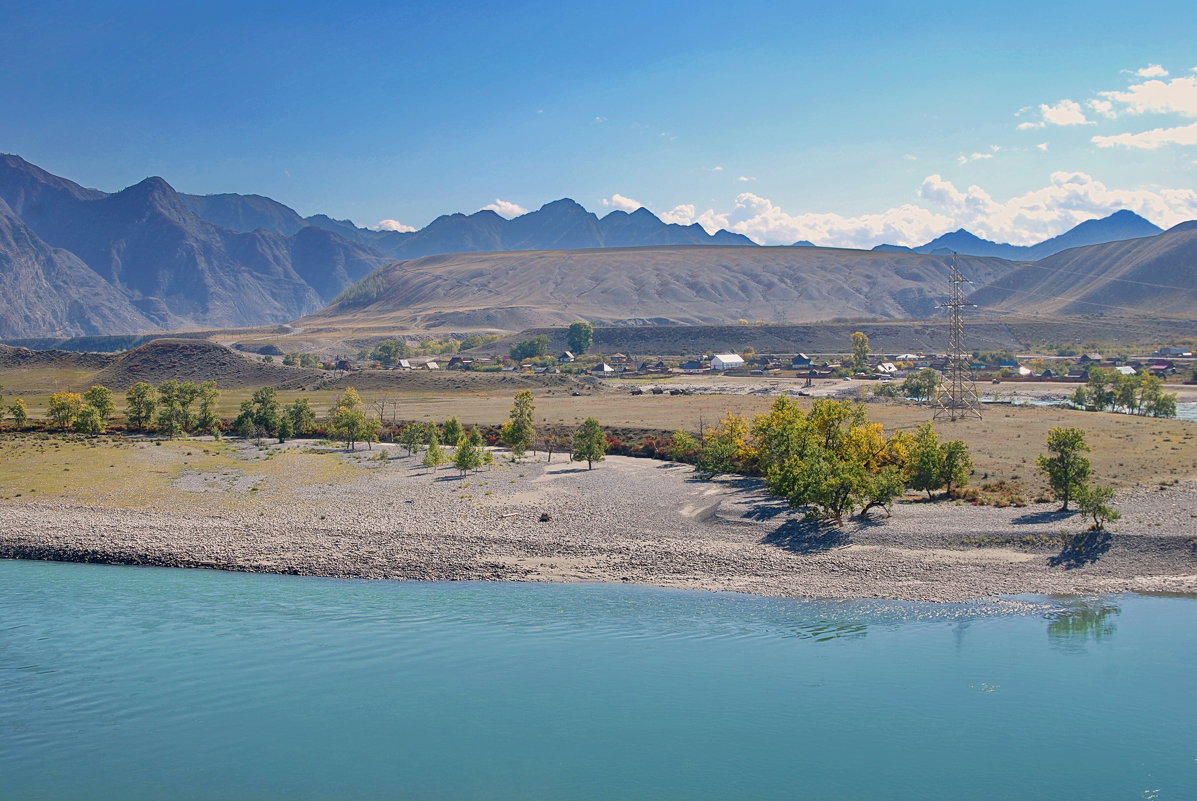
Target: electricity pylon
957,398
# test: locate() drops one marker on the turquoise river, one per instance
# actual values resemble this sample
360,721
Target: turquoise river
146,683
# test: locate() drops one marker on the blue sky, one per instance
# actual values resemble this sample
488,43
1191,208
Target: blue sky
846,125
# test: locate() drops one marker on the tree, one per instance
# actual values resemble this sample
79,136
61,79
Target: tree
860,350
412,436
390,351
18,412
434,457
530,348
682,446
286,428
519,432
921,385
452,430
726,447
926,468
467,457
64,407
1094,502
590,443
207,421
100,399
957,465
1067,471
174,407
140,401
303,418
580,337
89,420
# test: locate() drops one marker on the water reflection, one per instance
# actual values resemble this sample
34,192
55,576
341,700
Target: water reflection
1073,628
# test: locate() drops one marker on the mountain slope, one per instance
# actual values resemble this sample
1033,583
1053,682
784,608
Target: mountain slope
694,285
46,291
1153,276
1118,226
172,268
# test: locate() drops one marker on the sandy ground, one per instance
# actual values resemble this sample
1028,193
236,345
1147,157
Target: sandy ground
627,520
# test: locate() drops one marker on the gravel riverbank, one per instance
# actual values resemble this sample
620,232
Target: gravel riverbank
627,520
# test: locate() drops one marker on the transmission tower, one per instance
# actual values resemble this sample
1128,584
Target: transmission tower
957,396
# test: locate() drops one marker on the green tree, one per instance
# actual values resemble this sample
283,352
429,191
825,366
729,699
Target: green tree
921,386
1067,470
452,430
140,402
89,420
926,467
957,465
1094,503
590,443
207,421
434,457
530,348
390,351
860,350
286,428
467,457
580,337
412,436
174,407
64,407
100,399
18,412
303,417
519,432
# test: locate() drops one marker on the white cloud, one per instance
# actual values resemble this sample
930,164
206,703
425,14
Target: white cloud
1042,146
716,168
745,179
621,202
1177,96
1068,199
974,157
600,119
393,225
1103,107
1151,71
909,157
1154,139
1066,112
505,208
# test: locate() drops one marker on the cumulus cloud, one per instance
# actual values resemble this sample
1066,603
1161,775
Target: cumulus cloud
1042,146
621,202
1185,135
1068,199
505,208
974,157
393,225
1066,112
1103,107
1151,71
745,179
1177,96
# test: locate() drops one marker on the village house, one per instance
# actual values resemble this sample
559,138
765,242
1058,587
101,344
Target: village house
566,357
726,361
602,368
430,365
618,358
692,366
801,360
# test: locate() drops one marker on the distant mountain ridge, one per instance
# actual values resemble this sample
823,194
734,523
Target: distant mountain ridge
150,263
1120,225
560,225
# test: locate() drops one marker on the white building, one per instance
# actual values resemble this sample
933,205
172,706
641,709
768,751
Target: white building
726,361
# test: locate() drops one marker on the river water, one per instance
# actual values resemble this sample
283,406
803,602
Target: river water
148,683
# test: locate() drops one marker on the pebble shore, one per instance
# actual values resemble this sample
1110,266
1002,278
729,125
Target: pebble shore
632,520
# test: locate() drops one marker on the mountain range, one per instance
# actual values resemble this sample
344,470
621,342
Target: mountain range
1120,225
78,261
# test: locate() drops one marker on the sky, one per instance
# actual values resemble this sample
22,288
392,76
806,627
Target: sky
845,124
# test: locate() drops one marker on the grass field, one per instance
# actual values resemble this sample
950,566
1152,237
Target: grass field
1126,450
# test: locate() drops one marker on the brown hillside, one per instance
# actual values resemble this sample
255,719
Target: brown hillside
513,291
198,360
22,358
1155,276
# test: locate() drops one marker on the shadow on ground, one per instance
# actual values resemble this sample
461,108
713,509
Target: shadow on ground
806,536
1082,549
1053,516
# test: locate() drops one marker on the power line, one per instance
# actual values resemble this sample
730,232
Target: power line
958,398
